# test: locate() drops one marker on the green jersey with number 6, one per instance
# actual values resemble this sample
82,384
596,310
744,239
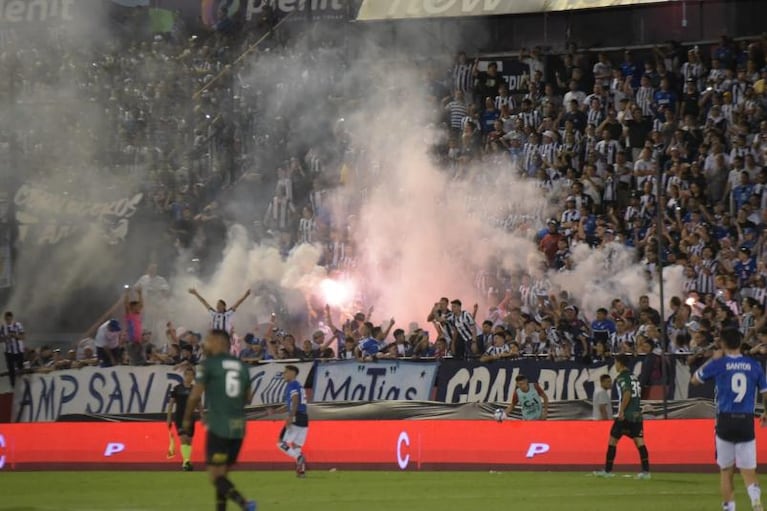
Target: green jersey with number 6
227,388
628,384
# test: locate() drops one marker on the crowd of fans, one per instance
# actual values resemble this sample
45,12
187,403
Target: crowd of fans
596,133
130,114
598,138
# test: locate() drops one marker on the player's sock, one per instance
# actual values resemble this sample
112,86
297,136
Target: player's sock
728,506
226,488
294,452
610,458
186,453
645,458
220,501
755,492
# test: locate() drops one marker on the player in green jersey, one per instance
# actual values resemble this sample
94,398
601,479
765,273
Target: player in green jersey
226,384
629,419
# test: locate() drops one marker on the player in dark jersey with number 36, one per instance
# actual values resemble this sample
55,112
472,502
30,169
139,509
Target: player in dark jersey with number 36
738,379
629,420
226,384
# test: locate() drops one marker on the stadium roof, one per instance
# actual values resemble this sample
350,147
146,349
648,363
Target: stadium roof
372,10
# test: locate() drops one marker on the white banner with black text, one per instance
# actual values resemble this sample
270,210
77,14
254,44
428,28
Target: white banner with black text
124,390
383,380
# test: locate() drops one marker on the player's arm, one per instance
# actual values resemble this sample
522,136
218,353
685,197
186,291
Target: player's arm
513,403
762,382
191,405
242,299
704,373
293,408
202,300
545,399
625,399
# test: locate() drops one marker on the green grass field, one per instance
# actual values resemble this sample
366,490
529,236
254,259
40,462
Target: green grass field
362,491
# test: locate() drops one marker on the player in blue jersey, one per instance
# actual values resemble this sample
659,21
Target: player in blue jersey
293,435
738,379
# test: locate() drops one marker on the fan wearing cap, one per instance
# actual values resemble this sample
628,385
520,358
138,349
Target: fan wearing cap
107,342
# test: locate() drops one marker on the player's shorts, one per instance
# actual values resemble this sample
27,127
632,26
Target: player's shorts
222,451
189,432
741,455
735,441
295,435
631,429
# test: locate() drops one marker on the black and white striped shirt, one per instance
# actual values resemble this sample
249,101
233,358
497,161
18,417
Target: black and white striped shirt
644,100
610,191
595,117
528,151
337,253
759,294
313,161
548,152
457,113
11,334
221,320
532,118
608,149
497,351
629,338
689,285
589,146
463,324
463,78
306,230
504,100
738,90
705,283
570,215
694,72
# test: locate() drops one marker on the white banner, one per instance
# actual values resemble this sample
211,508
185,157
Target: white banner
383,380
124,390
407,9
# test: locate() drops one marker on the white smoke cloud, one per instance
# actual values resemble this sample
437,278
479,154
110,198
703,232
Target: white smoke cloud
602,275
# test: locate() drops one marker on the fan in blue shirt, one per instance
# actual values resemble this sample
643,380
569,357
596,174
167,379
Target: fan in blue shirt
745,267
602,327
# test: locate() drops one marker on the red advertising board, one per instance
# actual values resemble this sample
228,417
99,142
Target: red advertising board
406,445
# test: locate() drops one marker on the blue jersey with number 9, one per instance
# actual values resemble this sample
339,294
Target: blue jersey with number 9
737,380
